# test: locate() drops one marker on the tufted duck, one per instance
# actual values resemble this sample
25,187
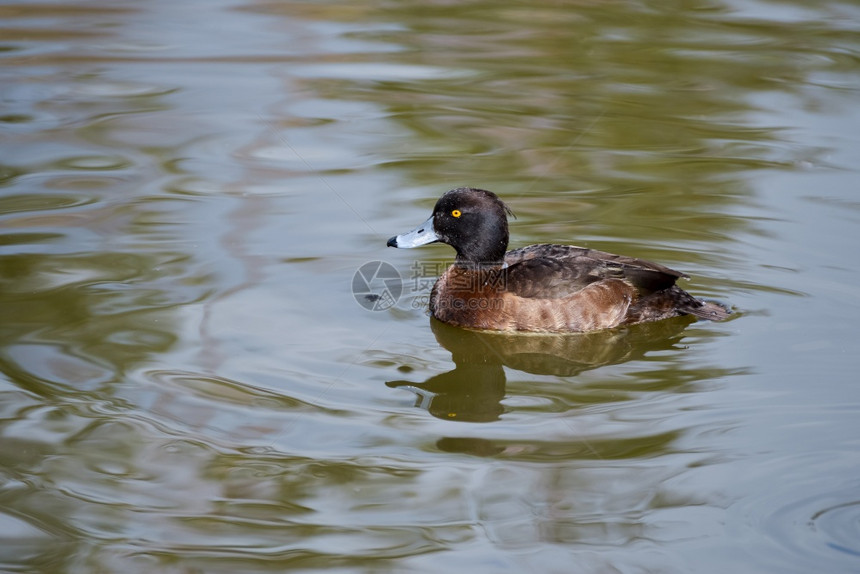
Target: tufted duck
540,288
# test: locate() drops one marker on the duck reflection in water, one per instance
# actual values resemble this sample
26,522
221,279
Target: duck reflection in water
473,391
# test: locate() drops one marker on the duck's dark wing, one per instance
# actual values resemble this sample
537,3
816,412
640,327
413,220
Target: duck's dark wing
555,271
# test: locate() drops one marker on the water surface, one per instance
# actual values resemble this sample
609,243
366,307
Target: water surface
188,383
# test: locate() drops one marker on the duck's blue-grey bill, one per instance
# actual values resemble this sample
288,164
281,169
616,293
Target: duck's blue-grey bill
421,235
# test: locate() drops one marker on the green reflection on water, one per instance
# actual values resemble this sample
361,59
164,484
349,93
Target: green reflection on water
175,395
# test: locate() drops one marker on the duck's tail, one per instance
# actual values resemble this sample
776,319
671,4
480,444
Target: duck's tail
710,310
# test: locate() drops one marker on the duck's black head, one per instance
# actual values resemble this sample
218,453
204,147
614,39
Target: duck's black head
472,221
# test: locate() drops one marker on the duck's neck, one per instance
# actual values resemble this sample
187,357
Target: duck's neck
488,260
484,248
469,265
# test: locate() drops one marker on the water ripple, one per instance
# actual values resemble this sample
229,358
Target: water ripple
818,531
839,526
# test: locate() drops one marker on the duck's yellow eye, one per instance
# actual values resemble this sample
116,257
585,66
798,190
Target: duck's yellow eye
456,213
